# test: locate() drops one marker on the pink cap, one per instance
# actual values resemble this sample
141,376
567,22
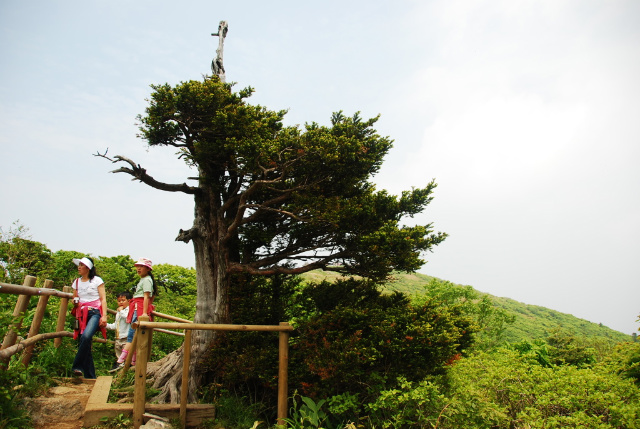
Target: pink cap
144,262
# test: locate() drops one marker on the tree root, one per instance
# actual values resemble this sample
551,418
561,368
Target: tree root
166,375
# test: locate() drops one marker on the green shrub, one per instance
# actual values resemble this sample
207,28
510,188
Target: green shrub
350,339
364,345
233,411
12,414
344,406
625,361
409,405
505,389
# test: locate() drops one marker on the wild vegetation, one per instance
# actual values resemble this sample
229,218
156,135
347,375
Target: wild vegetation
418,353
529,321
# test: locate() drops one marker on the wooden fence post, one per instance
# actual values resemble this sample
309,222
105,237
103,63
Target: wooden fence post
150,342
62,315
18,315
36,322
283,375
184,388
140,385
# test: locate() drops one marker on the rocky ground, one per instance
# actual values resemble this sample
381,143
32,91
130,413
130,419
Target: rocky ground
62,407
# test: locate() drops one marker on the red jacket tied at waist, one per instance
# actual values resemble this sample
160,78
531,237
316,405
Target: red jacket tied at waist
81,312
135,305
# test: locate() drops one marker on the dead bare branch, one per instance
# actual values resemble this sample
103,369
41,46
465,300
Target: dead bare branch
140,173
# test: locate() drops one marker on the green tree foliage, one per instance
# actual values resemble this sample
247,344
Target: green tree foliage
275,199
271,199
265,300
19,255
117,272
173,278
61,270
632,369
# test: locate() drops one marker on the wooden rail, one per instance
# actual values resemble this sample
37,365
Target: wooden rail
6,353
28,289
25,292
18,314
141,343
144,330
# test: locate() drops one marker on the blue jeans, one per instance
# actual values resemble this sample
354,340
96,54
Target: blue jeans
84,358
132,331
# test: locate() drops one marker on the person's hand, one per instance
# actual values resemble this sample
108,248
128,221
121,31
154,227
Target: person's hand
103,321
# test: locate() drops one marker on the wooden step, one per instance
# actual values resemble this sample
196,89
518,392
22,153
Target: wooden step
98,407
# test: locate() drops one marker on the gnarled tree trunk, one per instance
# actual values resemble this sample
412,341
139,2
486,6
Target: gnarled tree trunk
212,305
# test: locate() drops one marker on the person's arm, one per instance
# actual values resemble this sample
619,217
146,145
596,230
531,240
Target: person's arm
75,293
103,301
145,304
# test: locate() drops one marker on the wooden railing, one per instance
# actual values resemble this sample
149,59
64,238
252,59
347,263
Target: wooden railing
141,343
144,335
25,292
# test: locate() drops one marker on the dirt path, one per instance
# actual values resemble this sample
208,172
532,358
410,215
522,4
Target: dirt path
62,407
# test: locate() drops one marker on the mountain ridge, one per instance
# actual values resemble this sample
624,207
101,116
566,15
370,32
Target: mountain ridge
531,321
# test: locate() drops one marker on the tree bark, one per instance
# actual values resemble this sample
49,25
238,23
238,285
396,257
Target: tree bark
212,305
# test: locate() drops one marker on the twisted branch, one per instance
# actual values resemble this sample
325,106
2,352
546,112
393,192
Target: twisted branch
140,173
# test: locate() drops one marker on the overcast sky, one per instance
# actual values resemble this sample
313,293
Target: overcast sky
526,113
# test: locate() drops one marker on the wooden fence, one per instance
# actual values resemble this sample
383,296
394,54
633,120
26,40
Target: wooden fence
142,343
25,292
144,335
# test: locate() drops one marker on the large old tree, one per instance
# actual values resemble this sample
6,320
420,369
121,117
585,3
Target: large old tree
273,199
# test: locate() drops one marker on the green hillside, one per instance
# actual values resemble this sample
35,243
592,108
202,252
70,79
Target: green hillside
531,321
